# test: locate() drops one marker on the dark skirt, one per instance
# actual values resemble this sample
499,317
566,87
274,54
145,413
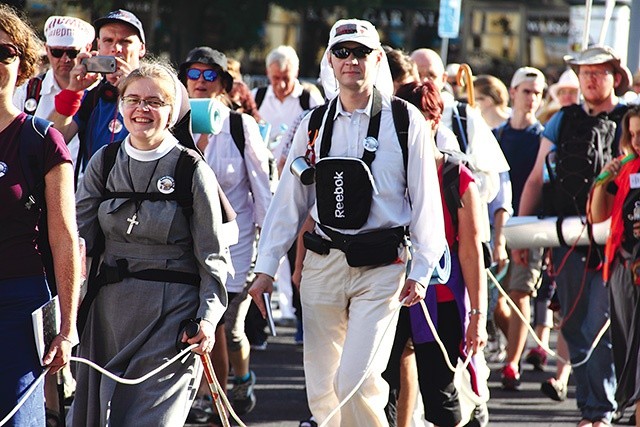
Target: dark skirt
625,334
19,364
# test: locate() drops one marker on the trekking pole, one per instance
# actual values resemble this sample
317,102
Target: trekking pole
465,78
192,329
60,389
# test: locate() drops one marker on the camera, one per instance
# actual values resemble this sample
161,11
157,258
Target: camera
301,168
100,64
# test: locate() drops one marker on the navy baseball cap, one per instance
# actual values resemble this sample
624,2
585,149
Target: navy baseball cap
123,16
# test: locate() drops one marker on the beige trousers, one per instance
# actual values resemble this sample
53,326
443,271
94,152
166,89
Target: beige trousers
345,312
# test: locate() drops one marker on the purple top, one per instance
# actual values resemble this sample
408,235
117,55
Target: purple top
19,256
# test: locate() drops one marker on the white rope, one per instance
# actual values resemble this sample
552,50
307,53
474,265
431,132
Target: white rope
366,371
24,398
535,337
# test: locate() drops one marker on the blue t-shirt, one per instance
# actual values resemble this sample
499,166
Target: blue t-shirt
99,122
520,148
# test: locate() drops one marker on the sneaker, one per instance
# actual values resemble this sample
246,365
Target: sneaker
510,378
537,357
243,397
554,389
201,410
260,346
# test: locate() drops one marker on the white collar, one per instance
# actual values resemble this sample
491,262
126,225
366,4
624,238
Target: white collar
150,155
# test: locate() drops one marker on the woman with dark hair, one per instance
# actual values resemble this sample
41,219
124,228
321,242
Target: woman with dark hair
23,284
618,198
458,307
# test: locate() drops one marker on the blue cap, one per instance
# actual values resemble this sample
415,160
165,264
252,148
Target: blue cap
123,16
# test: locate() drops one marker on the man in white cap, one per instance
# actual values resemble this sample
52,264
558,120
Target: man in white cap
519,138
582,138
65,38
95,117
370,187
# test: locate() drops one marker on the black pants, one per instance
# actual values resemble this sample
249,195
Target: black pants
439,396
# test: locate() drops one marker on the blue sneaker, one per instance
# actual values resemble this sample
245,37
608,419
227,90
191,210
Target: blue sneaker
243,397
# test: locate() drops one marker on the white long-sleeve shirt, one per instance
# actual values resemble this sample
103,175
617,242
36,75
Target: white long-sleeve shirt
390,207
245,182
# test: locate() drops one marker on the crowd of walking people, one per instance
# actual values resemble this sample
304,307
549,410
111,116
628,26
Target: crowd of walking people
375,202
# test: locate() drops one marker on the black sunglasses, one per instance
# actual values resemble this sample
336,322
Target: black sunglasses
209,75
57,53
8,53
344,52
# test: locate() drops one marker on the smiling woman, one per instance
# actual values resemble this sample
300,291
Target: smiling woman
163,263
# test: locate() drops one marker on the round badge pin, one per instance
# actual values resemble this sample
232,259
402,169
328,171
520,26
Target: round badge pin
166,185
370,143
115,126
30,105
3,169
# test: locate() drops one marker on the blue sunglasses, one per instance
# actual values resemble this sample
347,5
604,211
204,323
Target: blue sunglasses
209,75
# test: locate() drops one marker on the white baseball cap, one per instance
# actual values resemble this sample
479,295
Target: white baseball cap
527,74
68,31
354,30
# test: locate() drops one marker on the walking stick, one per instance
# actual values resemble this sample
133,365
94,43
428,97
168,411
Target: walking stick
191,329
465,78
60,389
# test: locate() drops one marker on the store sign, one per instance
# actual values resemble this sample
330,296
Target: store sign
449,19
546,26
400,17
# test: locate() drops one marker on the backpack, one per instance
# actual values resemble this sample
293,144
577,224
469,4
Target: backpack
459,125
31,155
237,130
400,113
304,98
585,144
33,94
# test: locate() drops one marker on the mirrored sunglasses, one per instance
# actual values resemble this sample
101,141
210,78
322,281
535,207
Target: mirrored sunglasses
194,74
71,53
344,52
8,53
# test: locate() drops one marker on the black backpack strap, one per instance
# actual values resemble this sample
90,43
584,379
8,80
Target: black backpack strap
33,93
315,122
459,125
108,160
237,130
260,93
185,167
305,97
31,154
451,188
401,123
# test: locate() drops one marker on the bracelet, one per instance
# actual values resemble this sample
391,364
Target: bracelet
65,338
68,102
475,311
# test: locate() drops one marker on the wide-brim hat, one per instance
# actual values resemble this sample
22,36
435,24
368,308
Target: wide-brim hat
568,79
601,55
207,56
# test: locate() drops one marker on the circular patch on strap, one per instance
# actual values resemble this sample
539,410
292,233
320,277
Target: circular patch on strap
370,144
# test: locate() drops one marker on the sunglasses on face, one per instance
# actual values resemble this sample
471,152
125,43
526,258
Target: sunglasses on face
8,53
344,52
57,53
209,75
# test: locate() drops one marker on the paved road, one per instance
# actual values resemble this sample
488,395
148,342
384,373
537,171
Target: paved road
282,401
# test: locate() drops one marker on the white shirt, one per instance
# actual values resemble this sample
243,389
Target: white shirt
245,182
46,105
281,114
390,208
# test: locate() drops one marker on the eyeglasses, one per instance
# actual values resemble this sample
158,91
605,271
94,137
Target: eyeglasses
8,53
359,52
598,74
209,75
151,103
57,53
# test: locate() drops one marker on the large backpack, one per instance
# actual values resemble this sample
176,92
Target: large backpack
585,144
32,160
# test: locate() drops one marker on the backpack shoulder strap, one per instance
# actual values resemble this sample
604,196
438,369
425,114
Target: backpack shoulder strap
33,93
185,167
260,93
315,121
108,160
401,122
237,130
459,125
31,154
305,96
451,188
